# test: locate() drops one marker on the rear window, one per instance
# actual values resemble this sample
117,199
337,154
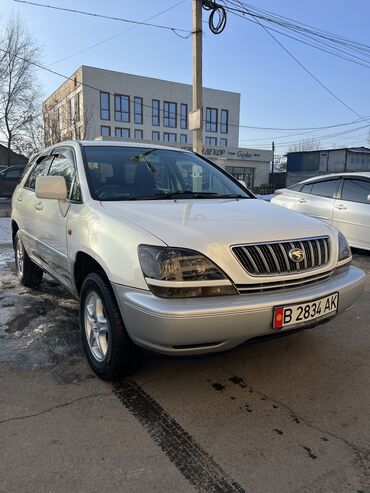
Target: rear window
307,188
296,187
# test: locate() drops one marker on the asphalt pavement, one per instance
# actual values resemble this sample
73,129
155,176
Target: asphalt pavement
285,415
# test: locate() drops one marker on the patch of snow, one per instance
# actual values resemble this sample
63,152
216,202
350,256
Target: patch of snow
5,230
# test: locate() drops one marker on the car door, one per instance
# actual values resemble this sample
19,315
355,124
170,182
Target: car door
52,217
24,201
8,181
352,211
318,202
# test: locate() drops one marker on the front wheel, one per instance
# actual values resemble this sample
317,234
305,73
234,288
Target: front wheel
109,349
29,274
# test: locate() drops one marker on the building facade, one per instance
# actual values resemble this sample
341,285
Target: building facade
306,164
98,103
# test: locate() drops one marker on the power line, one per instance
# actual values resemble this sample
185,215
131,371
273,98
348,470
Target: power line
302,28
80,83
278,129
299,62
115,35
339,54
175,30
319,137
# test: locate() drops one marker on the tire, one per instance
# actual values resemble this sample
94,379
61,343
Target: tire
29,274
108,347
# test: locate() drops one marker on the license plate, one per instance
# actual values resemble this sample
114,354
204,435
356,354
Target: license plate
305,312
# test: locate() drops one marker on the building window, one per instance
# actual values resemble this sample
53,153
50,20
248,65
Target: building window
78,107
138,134
138,110
105,131
224,125
155,112
211,141
184,115
70,111
170,114
156,136
169,137
211,119
242,173
183,138
223,142
122,108
104,106
123,133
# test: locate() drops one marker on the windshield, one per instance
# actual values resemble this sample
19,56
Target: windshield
134,173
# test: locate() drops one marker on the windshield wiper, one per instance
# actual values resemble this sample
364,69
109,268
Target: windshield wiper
232,196
183,194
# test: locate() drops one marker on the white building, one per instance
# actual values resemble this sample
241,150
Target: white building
99,103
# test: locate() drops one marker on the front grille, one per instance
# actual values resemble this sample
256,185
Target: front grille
265,259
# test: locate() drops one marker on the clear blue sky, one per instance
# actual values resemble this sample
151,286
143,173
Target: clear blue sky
275,91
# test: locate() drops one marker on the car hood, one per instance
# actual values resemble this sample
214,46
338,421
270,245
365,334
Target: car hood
203,224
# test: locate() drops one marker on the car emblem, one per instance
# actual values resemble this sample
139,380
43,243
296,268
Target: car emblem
296,254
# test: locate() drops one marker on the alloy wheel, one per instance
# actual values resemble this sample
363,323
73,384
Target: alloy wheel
96,326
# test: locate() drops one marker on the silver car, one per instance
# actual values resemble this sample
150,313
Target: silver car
339,199
168,252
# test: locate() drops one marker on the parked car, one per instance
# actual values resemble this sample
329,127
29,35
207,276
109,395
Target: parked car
9,177
341,199
167,251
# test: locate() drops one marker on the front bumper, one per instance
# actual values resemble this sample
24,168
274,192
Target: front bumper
202,325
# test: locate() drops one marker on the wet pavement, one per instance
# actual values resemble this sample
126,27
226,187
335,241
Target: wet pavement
289,414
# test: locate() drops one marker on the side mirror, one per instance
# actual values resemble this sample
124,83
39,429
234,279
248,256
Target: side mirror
242,182
51,187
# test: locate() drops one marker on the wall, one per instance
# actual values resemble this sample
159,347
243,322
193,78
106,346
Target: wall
150,88
304,165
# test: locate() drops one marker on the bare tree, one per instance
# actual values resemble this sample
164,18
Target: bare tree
66,119
306,145
19,89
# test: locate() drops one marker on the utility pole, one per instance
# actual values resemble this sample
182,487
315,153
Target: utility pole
196,121
273,163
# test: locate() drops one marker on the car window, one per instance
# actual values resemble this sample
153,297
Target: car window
297,187
40,169
63,165
30,163
356,191
326,188
76,195
307,188
14,173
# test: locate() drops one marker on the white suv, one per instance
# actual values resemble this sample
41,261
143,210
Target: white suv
169,252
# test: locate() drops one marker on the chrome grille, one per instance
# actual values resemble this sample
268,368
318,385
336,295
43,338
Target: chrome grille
267,259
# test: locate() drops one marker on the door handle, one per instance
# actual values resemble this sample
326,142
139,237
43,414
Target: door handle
19,198
341,207
302,201
39,206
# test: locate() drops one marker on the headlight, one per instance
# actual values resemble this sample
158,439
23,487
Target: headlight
182,273
344,250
